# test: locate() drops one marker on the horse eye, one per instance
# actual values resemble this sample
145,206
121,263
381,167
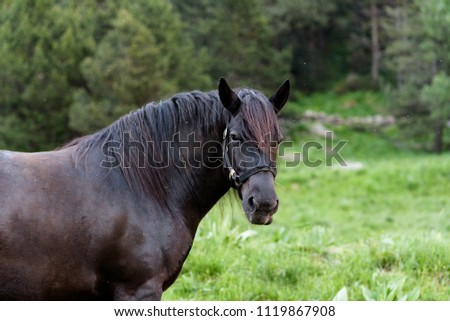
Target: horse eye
234,136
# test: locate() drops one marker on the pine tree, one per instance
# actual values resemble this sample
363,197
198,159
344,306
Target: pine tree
437,97
41,46
142,57
235,40
416,54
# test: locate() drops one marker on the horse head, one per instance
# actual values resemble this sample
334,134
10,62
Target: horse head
250,145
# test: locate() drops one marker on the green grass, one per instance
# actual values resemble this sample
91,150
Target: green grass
381,232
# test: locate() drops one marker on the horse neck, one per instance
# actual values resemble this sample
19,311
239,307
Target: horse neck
203,180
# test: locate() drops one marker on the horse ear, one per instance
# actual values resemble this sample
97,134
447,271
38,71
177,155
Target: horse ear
228,97
280,98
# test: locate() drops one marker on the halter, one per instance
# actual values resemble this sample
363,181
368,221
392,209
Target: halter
234,177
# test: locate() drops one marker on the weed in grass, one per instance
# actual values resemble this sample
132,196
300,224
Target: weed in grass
389,289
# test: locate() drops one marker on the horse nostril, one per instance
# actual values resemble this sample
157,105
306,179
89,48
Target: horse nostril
277,202
252,203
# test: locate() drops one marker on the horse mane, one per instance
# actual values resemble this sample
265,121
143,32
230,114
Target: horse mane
158,122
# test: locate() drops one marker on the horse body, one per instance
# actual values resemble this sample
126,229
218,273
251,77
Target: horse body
72,229
76,235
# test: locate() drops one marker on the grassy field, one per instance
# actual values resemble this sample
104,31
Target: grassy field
380,231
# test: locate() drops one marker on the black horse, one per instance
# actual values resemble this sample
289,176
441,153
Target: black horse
113,215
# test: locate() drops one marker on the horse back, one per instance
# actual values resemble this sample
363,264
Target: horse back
28,180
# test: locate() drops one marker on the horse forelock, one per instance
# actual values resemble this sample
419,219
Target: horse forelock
260,121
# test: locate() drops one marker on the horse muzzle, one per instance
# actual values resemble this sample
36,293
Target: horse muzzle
260,213
259,200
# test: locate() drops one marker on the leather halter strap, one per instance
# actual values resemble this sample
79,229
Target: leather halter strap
238,179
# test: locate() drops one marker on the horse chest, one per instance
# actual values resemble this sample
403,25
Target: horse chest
147,252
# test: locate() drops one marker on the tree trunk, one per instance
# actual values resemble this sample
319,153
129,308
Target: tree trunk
438,144
375,46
